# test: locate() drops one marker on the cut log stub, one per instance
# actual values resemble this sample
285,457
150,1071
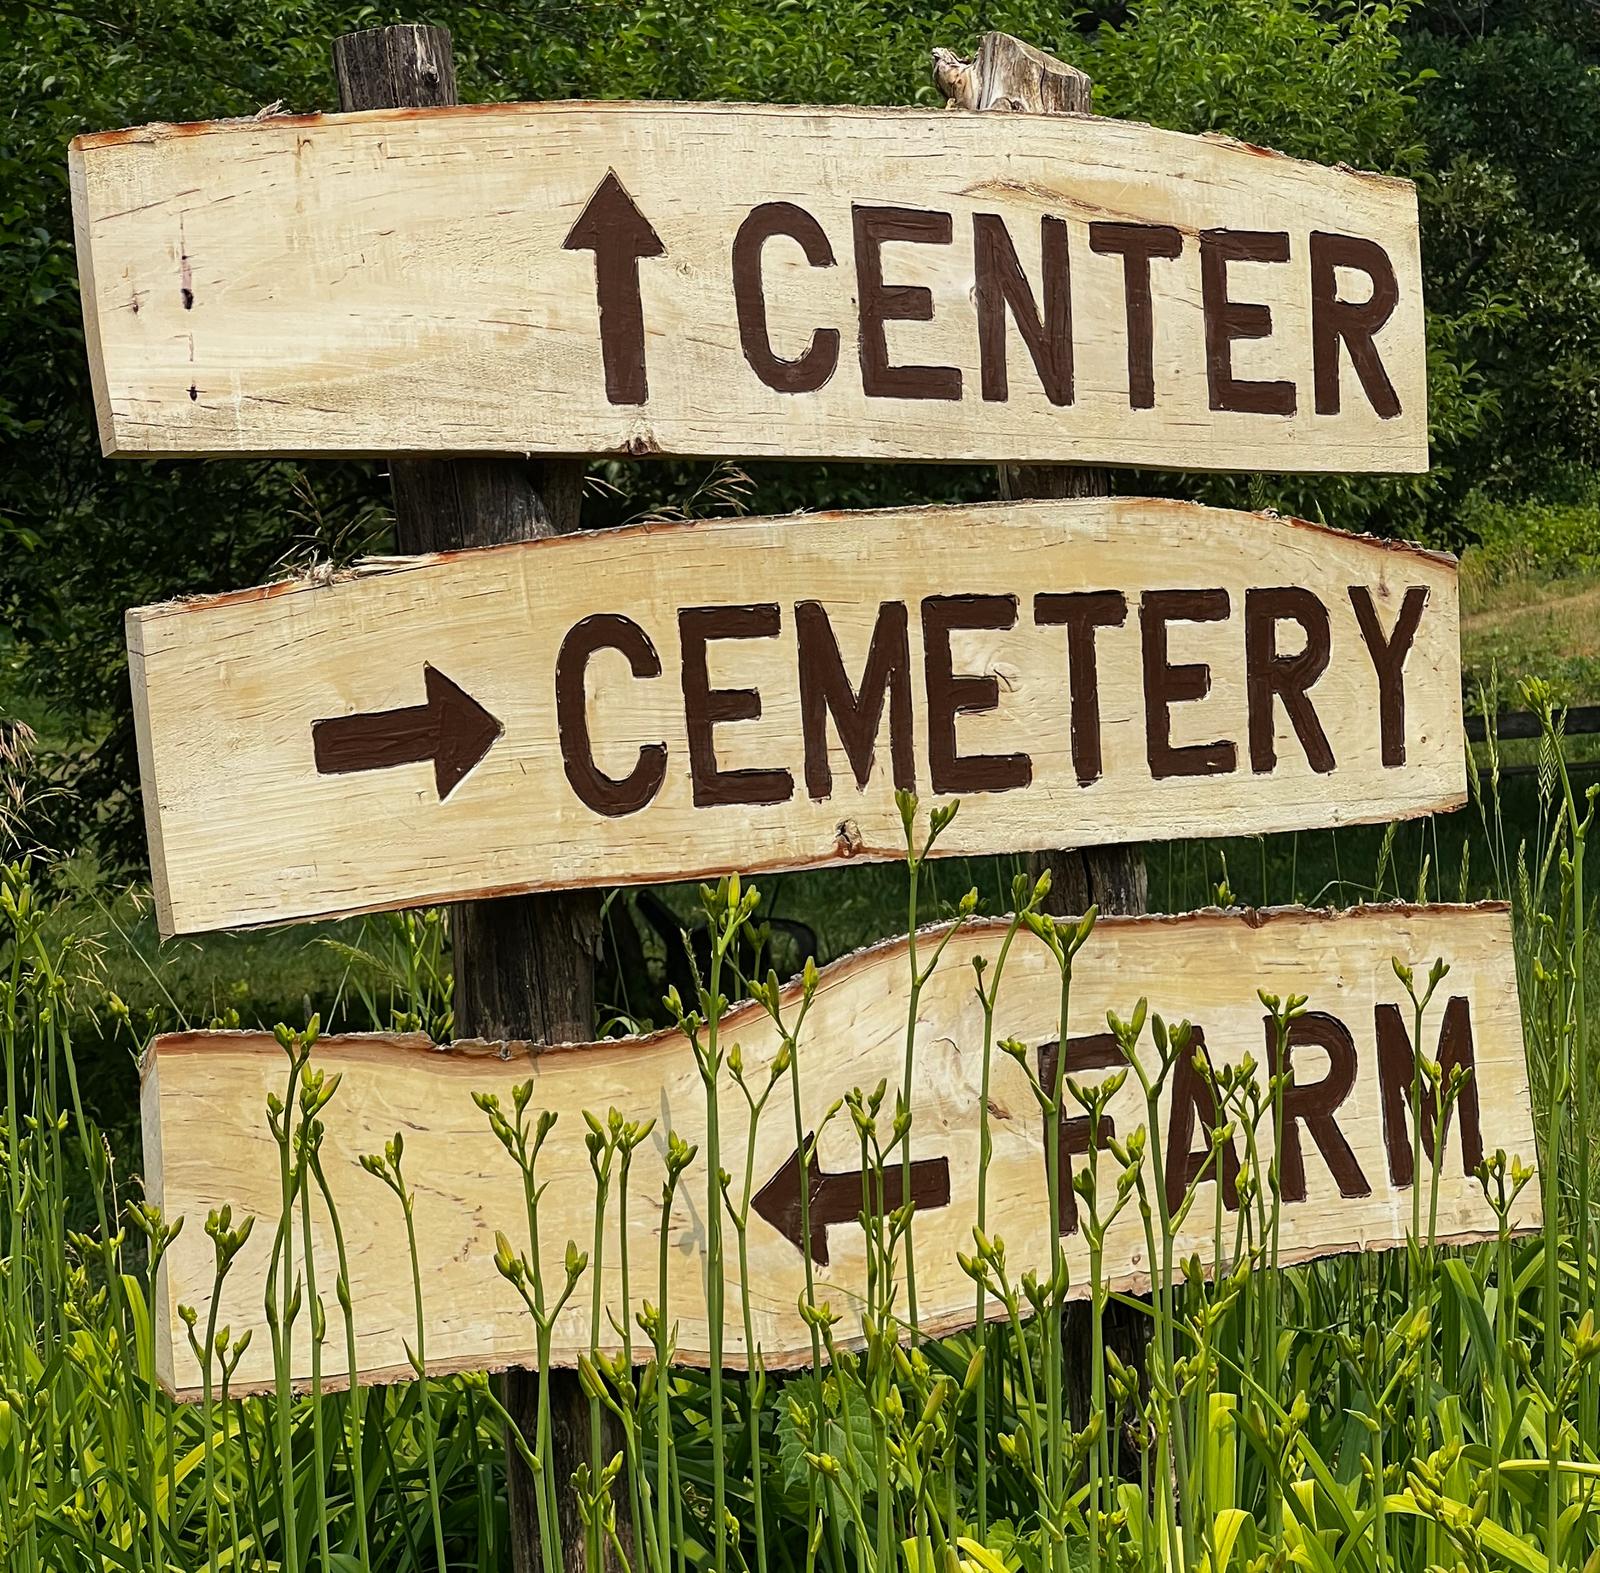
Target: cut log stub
1009,74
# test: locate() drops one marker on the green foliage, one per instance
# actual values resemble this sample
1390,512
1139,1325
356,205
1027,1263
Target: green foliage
1496,115
1317,82
1530,592
1509,108
1534,540
1425,1408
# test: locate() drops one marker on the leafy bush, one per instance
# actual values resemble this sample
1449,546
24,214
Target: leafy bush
1532,541
1497,119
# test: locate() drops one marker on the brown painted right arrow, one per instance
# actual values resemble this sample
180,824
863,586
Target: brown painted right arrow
613,228
836,1198
451,728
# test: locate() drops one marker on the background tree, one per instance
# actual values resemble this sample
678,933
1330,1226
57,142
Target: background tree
1494,109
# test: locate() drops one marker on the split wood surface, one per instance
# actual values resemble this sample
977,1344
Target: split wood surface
288,771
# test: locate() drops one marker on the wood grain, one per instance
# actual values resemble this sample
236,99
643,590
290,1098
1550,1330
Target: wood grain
207,1142
244,830
424,280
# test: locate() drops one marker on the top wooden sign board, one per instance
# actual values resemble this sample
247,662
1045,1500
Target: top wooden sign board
747,280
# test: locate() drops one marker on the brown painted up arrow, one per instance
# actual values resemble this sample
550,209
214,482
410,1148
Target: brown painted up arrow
613,228
836,1198
451,728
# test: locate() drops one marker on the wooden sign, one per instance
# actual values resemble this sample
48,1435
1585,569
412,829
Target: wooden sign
750,280
1347,1159
666,702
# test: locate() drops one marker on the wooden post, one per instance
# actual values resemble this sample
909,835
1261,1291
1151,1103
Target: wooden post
1010,75
524,966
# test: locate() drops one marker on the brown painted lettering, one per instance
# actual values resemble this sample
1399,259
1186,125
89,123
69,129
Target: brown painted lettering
810,370
1137,245
1192,1103
857,713
1388,654
605,794
705,707
1227,320
1166,685
1000,284
1097,1051
881,303
1354,323
950,696
1269,675
1313,1104
1081,612
1396,1072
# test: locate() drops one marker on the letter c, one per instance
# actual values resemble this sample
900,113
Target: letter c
810,370
604,794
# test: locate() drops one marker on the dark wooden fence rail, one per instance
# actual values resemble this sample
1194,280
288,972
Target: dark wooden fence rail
1581,721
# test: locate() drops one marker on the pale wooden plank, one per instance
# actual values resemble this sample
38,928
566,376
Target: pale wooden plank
418,280
247,830
208,1142
89,295
168,1330
149,793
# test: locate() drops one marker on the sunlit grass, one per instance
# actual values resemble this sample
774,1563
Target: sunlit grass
1427,1408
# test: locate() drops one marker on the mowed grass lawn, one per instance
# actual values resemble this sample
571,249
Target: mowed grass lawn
1532,624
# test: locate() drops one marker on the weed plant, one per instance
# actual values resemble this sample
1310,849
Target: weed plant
1427,1408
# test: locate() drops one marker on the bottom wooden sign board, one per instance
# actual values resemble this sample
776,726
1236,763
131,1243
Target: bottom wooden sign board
1347,1149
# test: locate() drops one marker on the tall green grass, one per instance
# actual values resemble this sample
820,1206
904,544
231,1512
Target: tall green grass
1427,1408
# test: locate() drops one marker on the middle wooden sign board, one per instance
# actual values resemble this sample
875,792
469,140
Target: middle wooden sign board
666,702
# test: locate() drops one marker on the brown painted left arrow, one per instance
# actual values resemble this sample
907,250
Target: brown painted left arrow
451,728
836,1198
